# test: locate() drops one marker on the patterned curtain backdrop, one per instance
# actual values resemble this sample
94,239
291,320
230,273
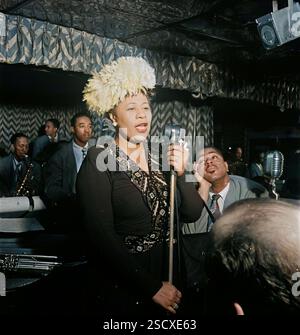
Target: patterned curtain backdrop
197,121
41,43
28,120
30,41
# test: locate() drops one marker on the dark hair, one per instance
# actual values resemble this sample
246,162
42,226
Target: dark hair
55,122
255,156
15,136
77,116
218,151
253,256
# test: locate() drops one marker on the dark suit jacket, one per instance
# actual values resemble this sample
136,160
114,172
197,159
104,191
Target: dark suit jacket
7,176
43,149
61,174
39,145
60,198
7,183
239,188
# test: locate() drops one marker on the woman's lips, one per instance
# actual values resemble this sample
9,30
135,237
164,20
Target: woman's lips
142,128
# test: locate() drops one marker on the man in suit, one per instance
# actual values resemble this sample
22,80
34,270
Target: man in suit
15,166
237,166
61,173
45,145
219,189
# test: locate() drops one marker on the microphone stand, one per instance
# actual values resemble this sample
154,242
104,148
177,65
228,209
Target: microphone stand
172,213
273,188
175,135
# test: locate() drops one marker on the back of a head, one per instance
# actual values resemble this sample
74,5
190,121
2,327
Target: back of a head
255,252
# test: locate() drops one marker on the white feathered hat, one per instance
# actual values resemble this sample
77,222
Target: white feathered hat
124,77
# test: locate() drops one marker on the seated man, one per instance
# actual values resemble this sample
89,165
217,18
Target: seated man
18,175
218,189
253,266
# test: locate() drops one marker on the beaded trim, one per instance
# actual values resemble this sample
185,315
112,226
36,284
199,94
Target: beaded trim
155,191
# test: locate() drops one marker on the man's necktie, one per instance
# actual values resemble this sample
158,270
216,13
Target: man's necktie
215,209
83,154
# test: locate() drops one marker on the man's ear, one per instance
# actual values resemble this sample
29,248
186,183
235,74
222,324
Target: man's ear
226,165
72,130
238,309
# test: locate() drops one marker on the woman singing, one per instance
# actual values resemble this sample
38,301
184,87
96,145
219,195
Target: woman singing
125,201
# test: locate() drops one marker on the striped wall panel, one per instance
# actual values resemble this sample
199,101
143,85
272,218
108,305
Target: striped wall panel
28,120
30,41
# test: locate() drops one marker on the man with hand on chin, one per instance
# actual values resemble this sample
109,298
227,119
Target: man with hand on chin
219,189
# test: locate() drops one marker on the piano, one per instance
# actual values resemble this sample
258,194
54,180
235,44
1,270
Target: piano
41,272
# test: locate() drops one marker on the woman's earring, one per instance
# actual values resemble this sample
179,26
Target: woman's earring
113,120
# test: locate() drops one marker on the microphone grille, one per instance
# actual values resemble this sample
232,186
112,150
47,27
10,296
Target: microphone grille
277,164
273,164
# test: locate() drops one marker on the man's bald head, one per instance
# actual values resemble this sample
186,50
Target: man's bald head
264,221
256,250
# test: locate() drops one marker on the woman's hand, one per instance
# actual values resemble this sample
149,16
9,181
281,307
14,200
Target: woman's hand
168,297
178,156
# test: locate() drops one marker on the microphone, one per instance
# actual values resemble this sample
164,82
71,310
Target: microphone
273,164
273,168
174,133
